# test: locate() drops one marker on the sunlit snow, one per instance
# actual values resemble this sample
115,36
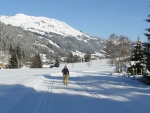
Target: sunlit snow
91,89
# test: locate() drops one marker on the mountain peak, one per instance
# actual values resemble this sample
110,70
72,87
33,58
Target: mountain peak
42,25
20,15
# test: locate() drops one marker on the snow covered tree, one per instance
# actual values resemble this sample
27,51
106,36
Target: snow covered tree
137,59
13,61
36,62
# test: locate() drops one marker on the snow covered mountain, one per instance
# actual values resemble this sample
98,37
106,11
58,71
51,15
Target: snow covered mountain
42,25
55,36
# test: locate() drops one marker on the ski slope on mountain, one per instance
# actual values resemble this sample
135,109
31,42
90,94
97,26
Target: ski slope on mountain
91,89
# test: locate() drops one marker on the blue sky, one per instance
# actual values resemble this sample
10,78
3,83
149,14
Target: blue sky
99,18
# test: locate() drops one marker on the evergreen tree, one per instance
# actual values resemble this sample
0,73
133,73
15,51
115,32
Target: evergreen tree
23,55
137,59
39,61
147,47
57,62
70,58
36,62
75,58
87,57
10,49
18,52
13,61
19,55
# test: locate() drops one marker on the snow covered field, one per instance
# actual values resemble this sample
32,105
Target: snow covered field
91,89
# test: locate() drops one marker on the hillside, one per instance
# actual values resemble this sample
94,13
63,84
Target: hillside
29,43
57,34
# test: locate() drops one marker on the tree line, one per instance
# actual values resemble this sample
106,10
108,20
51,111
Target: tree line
121,50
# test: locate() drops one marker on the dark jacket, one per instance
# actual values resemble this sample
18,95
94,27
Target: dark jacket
65,71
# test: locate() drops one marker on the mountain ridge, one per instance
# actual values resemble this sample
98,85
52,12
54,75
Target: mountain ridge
49,39
43,24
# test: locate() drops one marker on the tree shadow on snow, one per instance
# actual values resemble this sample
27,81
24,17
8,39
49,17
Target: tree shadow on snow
108,95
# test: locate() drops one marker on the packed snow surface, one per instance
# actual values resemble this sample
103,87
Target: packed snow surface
91,89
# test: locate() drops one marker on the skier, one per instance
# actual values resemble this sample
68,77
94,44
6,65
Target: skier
65,72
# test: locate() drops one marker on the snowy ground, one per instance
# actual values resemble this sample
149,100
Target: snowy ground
91,89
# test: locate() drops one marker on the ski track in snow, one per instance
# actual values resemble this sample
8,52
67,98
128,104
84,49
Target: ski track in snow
88,91
114,107
41,108
42,100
